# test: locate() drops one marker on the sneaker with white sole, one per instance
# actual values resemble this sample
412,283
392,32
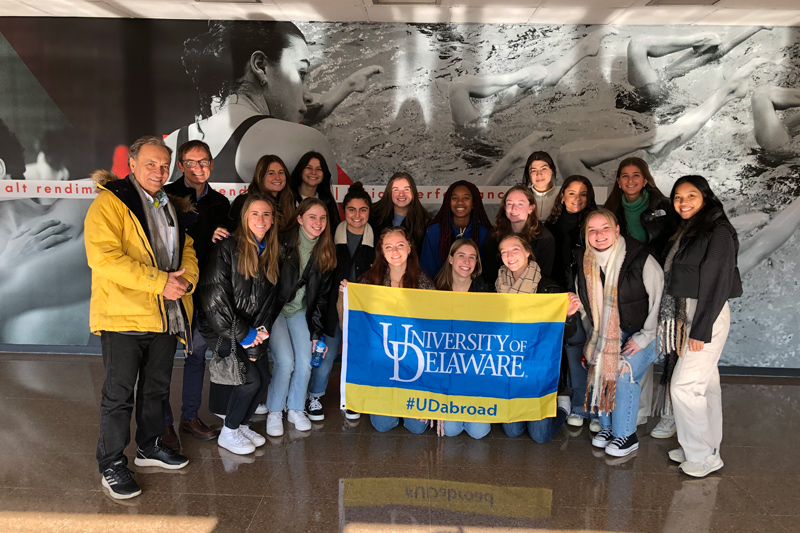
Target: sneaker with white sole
314,409
564,403
252,436
261,409
161,456
665,428
595,426
575,420
275,424
233,441
117,479
622,446
603,438
712,463
299,419
677,455
351,415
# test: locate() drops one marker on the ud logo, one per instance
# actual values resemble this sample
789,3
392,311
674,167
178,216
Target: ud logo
396,356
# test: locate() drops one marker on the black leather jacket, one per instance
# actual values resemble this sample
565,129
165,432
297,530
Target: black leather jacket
317,284
224,294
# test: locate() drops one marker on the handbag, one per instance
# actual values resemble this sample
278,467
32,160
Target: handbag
228,370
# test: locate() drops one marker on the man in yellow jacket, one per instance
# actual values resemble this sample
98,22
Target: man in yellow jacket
143,273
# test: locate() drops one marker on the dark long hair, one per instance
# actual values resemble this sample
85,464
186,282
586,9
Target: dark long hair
538,156
502,226
323,189
710,214
284,199
375,275
444,217
614,200
558,207
250,264
216,60
417,217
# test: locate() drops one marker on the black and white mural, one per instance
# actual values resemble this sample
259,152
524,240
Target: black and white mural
443,102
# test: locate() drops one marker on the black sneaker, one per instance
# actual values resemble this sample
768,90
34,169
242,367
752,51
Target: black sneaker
622,446
602,439
314,409
117,479
160,455
351,415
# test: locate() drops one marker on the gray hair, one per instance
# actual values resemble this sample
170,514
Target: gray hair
147,139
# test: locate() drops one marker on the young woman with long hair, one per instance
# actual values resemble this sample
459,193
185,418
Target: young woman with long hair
619,286
700,275
461,216
270,178
520,274
355,253
400,206
539,175
308,261
518,214
312,178
237,299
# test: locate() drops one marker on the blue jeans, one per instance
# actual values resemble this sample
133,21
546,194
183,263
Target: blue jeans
290,348
540,431
320,374
622,420
476,430
384,423
194,369
577,374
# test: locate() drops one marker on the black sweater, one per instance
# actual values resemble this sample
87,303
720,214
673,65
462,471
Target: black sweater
544,250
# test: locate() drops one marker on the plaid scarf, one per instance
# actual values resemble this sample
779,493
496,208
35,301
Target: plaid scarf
527,283
602,349
671,332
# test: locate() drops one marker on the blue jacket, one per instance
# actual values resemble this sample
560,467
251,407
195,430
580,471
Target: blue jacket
429,258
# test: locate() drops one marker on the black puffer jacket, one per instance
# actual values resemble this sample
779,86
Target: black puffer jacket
658,222
224,294
317,284
361,261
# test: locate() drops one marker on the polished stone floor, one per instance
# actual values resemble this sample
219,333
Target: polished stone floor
347,477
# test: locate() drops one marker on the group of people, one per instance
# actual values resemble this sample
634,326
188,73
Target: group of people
260,281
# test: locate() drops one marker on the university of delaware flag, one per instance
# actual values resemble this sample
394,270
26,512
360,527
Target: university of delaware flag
445,355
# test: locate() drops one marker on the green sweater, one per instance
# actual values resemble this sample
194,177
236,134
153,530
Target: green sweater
305,247
633,215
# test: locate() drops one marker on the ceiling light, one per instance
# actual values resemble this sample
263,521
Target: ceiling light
682,2
405,2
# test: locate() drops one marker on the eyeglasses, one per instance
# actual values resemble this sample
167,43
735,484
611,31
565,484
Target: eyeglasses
203,163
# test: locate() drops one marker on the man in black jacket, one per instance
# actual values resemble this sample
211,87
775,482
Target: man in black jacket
195,161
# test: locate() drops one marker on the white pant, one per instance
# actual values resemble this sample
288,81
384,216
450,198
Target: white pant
695,391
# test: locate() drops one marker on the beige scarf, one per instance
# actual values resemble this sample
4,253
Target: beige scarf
527,283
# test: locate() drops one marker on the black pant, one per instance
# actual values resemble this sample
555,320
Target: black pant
245,397
148,357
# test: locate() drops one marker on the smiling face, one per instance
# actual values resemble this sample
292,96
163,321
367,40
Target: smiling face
576,197
286,89
461,203
356,214
518,208
198,175
541,175
312,173
259,219
151,167
275,178
396,249
402,196
600,233
463,261
631,181
314,221
514,254
688,200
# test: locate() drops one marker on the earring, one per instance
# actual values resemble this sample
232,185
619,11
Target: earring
263,81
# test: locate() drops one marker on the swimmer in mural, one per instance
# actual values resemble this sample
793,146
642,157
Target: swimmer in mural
513,86
772,133
700,49
259,112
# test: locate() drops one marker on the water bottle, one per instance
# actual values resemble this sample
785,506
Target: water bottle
319,350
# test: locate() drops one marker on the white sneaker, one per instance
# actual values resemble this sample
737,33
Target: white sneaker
677,455
233,441
564,403
712,463
261,409
595,426
275,424
252,436
575,420
664,429
299,419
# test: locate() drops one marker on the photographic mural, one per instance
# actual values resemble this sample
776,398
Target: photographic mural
441,101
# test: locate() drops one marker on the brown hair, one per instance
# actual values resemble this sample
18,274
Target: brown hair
558,207
324,251
375,275
502,226
417,217
444,278
284,199
538,156
525,244
614,200
250,264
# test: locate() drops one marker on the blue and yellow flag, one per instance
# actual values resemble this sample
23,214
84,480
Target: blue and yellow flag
448,355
